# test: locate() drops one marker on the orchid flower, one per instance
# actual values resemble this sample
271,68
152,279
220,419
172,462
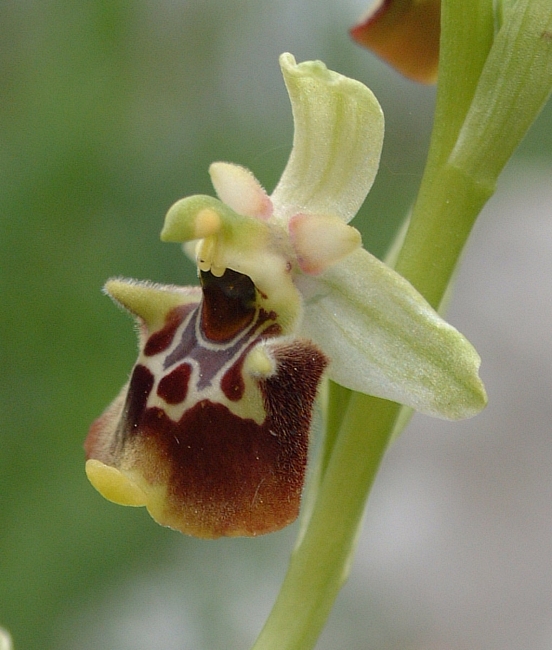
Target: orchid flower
211,432
406,34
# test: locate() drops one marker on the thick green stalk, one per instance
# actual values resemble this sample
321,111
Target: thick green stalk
338,402
443,217
335,404
466,38
448,201
319,564
515,83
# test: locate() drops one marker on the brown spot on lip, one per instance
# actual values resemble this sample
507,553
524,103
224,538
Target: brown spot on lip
139,389
232,383
173,388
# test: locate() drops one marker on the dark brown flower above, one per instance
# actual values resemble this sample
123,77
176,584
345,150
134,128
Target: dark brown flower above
405,33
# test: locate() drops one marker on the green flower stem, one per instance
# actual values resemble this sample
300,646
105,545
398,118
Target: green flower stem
466,38
320,562
338,402
444,214
448,201
515,83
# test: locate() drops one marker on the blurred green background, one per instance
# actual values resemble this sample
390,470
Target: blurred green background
110,111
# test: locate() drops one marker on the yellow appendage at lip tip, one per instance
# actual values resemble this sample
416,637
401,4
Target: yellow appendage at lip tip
114,485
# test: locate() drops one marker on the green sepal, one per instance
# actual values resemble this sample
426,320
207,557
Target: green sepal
385,340
149,301
337,142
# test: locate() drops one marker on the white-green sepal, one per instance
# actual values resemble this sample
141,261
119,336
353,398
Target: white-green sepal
336,145
384,339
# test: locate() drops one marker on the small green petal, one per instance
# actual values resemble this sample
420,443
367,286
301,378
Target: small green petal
384,339
337,142
231,237
240,190
198,216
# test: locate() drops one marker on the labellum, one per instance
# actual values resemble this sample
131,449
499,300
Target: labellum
211,433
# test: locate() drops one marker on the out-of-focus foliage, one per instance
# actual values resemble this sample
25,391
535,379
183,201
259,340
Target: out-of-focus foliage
109,112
